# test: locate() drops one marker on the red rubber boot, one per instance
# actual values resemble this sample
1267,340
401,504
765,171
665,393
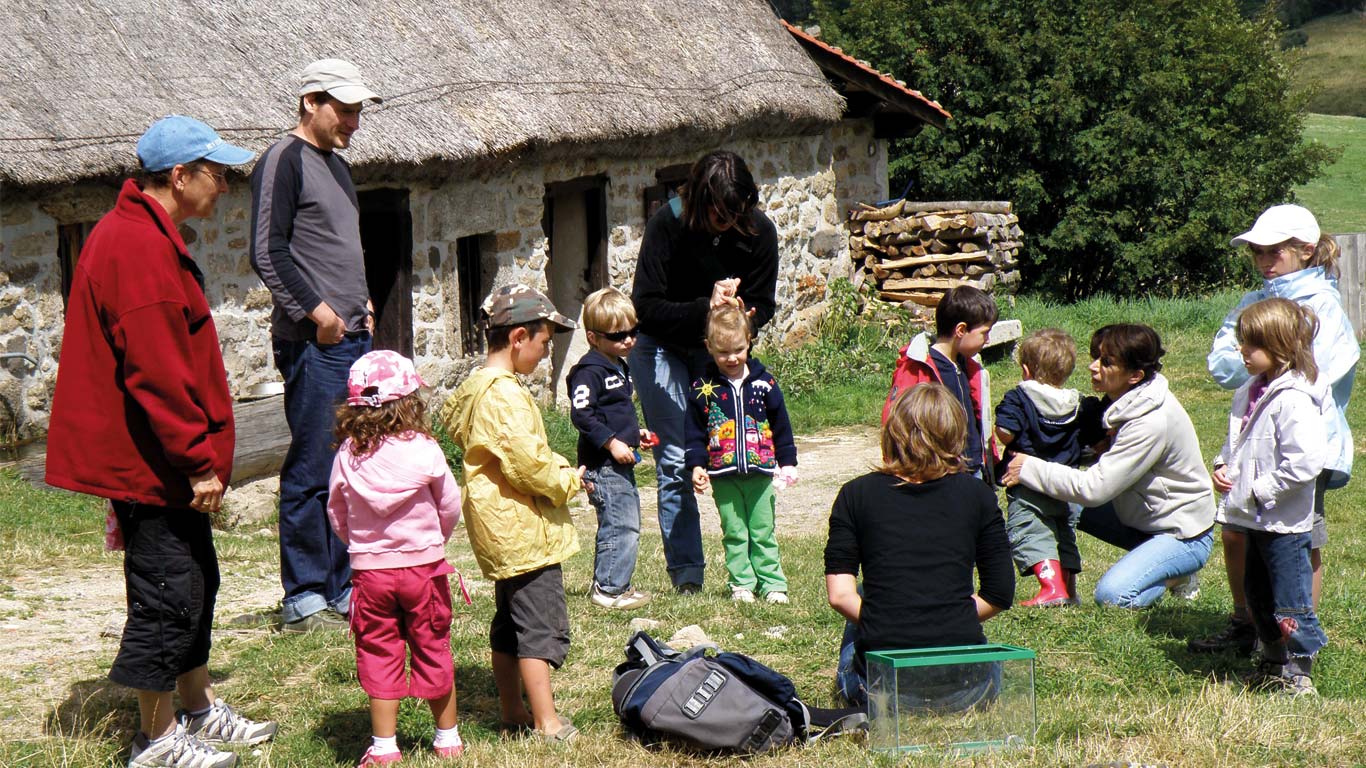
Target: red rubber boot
1052,588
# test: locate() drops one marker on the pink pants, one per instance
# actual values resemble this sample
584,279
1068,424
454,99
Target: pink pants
396,607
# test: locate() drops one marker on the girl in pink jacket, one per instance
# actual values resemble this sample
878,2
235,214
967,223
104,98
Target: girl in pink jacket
394,502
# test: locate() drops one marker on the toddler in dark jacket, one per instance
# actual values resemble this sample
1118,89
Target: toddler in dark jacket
738,444
1043,419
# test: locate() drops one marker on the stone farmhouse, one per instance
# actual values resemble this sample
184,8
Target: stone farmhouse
518,141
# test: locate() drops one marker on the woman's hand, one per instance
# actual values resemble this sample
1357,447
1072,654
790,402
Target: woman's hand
723,292
1221,482
1012,476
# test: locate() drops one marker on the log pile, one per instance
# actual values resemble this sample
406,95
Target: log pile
914,252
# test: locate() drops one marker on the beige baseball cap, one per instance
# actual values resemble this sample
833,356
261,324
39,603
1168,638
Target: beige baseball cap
339,79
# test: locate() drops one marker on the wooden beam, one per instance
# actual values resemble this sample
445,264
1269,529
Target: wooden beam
262,439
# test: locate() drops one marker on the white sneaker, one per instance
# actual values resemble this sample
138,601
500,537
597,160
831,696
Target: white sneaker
221,725
630,599
777,598
179,750
741,595
1185,587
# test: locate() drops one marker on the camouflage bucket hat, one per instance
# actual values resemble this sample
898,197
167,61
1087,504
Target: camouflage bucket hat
516,304
379,377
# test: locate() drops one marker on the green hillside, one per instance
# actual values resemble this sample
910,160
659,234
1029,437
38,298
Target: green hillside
1338,198
1335,62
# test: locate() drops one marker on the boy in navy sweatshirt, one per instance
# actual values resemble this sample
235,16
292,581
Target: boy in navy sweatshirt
609,436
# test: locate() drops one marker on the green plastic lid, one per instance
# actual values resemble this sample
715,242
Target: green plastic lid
953,654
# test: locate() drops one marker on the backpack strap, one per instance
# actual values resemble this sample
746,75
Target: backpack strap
648,651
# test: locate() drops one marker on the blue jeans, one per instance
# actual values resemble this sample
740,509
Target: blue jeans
315,570
1139,578
617,503
1279,582
662,379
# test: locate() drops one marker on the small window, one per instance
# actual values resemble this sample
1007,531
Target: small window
70,241
470,274
667,182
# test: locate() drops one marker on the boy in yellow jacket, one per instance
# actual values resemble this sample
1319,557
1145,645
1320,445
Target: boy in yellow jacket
516,513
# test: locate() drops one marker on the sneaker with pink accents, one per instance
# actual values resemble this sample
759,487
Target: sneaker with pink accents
449,753
371,758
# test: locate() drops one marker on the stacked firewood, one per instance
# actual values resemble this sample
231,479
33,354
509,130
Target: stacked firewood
914,252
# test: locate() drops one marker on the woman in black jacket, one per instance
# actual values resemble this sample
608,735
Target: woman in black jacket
710,246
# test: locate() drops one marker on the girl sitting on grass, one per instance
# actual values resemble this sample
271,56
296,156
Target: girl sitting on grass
917,527
394,502
1278,444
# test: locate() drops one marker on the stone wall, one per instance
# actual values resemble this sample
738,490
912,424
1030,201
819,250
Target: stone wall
807,184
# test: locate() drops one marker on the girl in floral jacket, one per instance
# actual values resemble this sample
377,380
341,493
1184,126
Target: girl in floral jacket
739,445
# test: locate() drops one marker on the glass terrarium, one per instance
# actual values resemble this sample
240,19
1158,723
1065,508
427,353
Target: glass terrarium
958,698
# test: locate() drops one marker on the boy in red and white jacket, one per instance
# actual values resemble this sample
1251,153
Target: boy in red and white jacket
962,322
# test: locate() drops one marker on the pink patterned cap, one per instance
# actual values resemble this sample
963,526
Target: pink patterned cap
379,377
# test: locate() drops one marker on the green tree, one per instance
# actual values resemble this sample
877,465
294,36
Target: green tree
1133,136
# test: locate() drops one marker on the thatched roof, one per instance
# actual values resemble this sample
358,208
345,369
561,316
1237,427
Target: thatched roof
467,83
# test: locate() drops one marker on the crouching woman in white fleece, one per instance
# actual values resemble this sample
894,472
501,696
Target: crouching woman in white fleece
1149,492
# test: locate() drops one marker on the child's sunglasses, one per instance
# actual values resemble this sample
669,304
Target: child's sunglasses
629,333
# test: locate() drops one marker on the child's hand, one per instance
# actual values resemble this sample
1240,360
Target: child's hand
701,482
1221,481
648,439
621,452
787,476
579,472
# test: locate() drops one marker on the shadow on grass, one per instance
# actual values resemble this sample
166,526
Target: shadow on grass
1174,626
96,709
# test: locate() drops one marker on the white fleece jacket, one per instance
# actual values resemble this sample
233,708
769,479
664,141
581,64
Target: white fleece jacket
1274,462
1153,471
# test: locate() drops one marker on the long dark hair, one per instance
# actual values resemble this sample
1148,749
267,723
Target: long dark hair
721,182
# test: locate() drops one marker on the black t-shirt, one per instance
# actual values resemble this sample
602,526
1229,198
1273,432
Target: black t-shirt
917,545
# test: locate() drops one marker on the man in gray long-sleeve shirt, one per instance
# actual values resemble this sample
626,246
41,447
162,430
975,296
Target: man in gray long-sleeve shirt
306,247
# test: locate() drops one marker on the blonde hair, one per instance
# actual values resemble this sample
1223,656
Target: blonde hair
1326,254
925,433
606,309
1285,331
1050,354
728,323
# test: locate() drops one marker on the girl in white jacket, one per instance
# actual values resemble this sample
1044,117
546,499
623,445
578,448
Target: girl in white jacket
1297,261
1278,444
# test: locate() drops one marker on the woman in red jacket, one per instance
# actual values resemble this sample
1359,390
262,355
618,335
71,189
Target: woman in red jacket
142,416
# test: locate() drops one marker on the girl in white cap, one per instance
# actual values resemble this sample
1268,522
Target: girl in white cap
392,499
1299,263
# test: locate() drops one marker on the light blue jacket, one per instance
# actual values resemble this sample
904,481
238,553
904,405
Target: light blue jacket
1336,351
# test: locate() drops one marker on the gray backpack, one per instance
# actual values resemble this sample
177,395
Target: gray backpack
726,702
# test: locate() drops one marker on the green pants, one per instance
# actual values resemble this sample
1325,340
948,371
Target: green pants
747,506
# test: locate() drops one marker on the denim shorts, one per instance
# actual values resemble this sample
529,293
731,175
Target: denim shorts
170,572
531,618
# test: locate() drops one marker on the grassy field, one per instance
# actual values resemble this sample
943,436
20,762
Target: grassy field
1333,63
1111,685
1338,198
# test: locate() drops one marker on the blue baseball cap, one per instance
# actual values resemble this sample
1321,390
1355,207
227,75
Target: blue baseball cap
176,139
